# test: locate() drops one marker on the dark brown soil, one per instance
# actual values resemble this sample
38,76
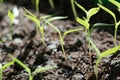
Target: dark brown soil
27,47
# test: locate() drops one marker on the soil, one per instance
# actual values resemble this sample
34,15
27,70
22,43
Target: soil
26,46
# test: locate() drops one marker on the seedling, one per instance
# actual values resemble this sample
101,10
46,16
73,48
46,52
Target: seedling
61,36
4,67
38,26
103,54
30,73
85,21
73,8
115,21
11,17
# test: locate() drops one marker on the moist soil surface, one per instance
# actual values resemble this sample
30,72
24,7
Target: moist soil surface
27,46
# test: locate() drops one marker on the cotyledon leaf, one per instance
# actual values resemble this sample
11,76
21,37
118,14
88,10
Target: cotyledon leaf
110,51
92,12
84,23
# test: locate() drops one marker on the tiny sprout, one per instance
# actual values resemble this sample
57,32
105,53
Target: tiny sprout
37,70
103,54
11,17
85,21
38,26
62,36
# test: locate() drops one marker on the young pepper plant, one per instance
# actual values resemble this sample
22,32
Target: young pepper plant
85,21
100,55
30,73
61,36
39,27
115,21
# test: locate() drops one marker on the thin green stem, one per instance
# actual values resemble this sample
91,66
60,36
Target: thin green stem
73,8
115,35
42,34
37,5
10,30
30,77
51,4
62,45
96,67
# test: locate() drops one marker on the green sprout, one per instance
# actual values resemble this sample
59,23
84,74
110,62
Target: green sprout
103,54
4,67
73,8
39,28
61,36
30,73
115,21
51,4
11,17
85,21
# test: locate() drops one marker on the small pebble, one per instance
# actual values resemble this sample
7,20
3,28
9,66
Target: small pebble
18,42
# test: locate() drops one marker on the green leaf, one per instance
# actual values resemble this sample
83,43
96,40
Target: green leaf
115,3
102,24
33,19
92,12
55,18
45,17
42,69
84,23
70,31
108,11
8,64
11,16
110,51
30,13
81,7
